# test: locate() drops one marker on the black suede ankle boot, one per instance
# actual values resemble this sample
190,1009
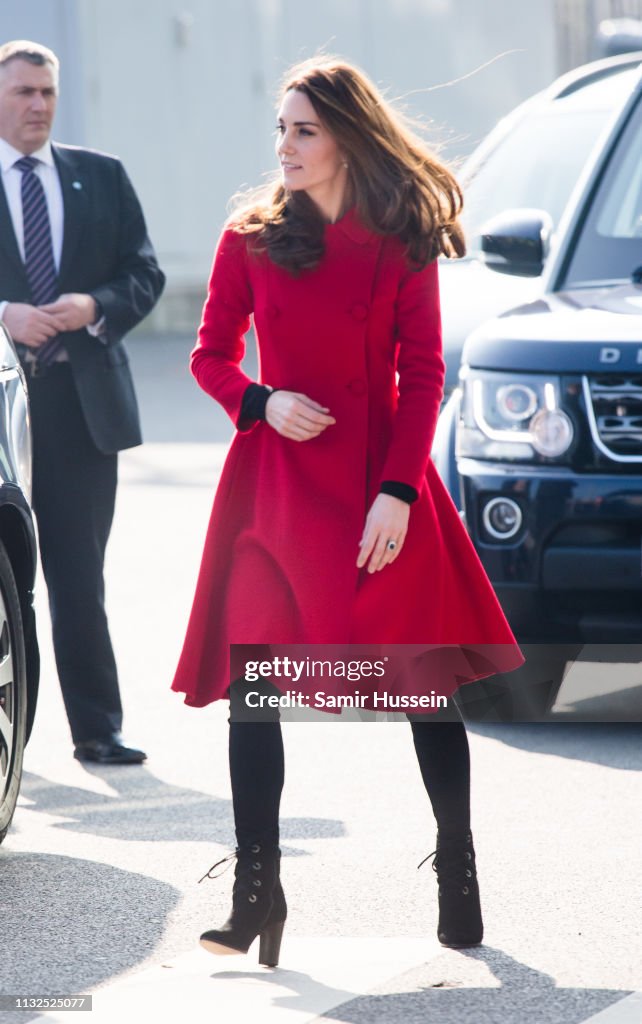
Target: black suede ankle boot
460,920
258,906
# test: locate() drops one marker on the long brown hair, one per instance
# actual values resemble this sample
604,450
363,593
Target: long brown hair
398,185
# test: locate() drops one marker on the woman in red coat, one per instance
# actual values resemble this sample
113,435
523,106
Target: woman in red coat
330,524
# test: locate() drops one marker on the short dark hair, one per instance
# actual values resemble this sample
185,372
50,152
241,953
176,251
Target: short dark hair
33,53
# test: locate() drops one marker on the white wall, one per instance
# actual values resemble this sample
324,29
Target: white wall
184,91
54,24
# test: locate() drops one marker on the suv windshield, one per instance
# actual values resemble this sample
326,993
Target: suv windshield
535,165
609,248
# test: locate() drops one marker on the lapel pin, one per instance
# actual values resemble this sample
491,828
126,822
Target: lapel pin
76,184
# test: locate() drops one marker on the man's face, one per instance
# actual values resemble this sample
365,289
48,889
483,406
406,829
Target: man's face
28,95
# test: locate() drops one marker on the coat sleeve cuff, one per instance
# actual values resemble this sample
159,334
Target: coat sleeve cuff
398,490
253,404
255,397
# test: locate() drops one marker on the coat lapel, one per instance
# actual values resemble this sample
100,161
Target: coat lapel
76,205
8,241
352,226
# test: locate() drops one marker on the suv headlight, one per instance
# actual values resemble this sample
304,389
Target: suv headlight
512,416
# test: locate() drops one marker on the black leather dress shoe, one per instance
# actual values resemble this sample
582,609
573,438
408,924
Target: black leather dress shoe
108,751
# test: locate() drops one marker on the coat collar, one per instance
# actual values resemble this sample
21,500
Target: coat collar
352,226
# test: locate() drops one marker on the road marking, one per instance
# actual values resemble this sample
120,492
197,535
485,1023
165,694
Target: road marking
317,975
625,1011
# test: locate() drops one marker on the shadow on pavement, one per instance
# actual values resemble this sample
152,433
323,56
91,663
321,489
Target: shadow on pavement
624,705
434,992
612,744
86,922
78,920
147,809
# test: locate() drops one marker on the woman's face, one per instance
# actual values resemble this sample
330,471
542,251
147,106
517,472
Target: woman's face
309,156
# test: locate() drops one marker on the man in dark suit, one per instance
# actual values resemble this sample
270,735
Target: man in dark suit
77,271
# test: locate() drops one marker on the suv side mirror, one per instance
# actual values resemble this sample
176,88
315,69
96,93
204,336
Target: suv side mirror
517,242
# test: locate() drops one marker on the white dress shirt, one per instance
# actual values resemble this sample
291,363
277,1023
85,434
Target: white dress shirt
48,175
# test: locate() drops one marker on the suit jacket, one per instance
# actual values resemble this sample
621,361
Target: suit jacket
106,253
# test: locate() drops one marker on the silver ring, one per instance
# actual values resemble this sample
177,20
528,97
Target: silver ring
391,545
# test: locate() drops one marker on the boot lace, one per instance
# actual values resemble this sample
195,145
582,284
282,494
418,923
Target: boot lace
455,868
208,874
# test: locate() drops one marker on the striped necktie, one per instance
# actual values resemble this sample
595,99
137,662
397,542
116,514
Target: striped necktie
40,265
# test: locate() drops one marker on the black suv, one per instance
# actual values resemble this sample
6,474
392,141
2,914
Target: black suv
532,158
541,445
19,660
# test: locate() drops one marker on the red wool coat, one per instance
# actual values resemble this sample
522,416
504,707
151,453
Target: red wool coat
279,564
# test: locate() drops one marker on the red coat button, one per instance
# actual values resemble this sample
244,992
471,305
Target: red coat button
359,312
357,386
274,311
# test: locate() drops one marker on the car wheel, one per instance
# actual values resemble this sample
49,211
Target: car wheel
13,693
525,695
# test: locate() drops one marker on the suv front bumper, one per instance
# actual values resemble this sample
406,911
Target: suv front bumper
573,571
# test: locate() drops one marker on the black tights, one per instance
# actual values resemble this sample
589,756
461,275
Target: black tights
257,772
444,762
257,768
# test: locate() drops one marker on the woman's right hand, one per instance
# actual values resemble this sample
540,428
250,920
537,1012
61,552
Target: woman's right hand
296,416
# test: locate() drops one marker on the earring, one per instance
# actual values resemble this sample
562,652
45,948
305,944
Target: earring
345,163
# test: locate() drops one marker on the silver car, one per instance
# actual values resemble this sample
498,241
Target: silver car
19,659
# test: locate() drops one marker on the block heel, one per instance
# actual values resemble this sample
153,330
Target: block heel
270,944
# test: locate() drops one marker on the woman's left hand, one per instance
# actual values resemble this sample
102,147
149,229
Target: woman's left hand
387,521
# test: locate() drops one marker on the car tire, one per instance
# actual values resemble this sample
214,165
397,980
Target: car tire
525,695
13,693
